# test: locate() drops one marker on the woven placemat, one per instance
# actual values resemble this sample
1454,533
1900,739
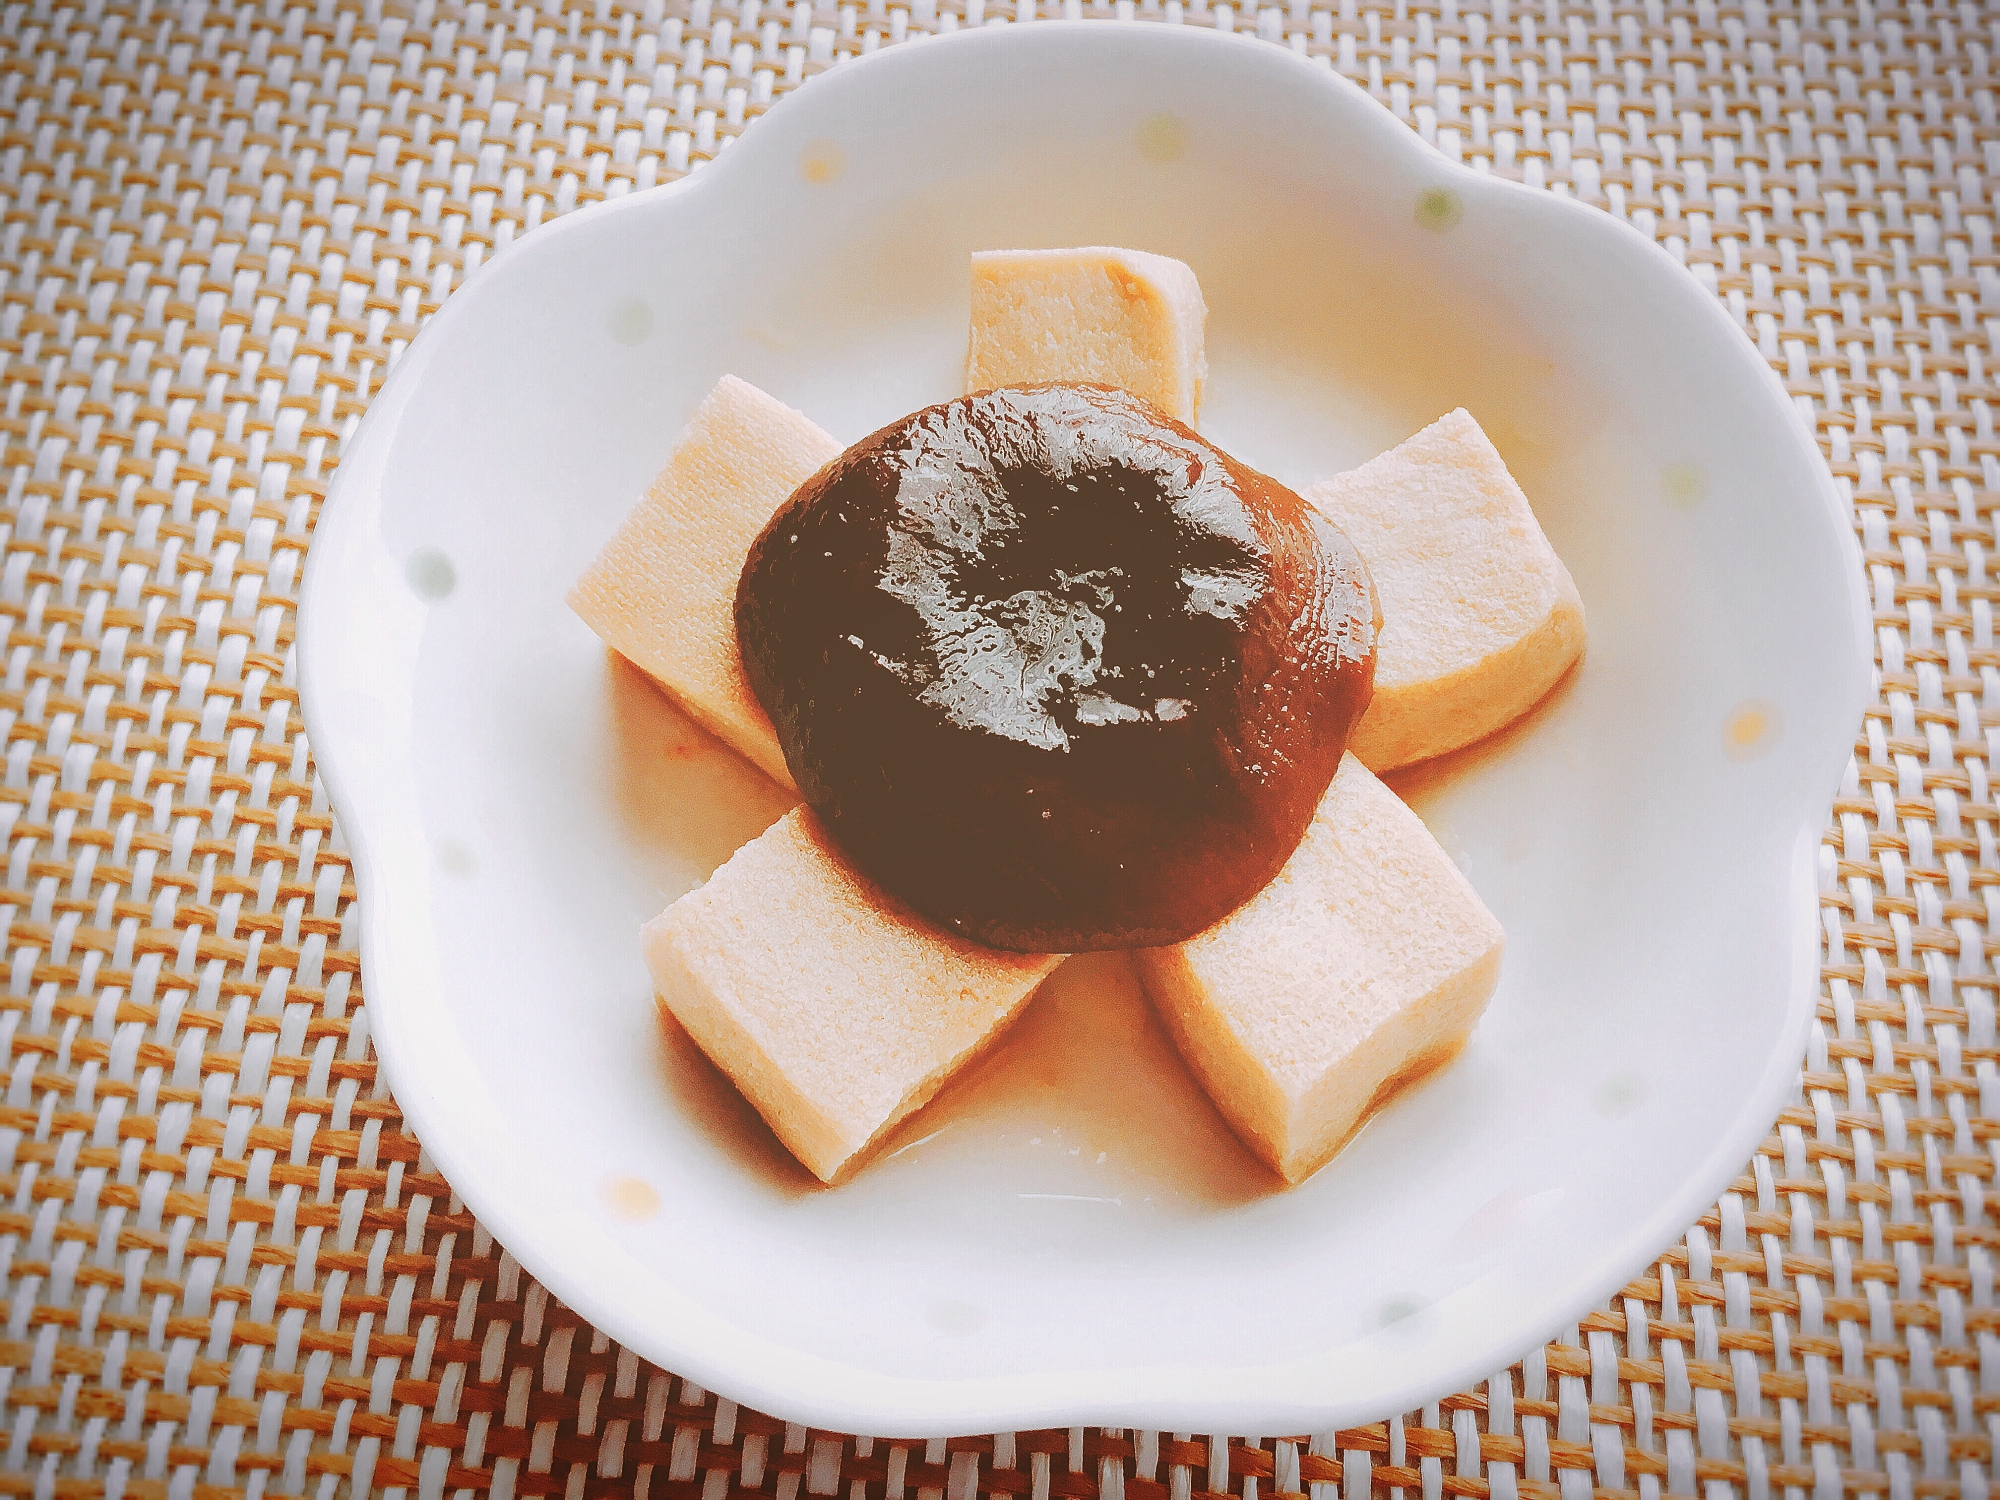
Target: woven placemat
227,1266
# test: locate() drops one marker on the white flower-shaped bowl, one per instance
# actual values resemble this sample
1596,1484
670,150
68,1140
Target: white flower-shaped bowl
1072,1235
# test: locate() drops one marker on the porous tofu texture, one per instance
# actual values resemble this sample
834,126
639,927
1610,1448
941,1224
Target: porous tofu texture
1479,616
835,1011
1096,315
663,591
1362,966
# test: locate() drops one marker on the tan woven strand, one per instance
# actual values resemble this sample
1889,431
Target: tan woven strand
228,1268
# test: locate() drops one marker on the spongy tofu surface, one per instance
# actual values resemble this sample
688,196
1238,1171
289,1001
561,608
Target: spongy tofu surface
1363,965
832,1009
663,590
1479,616
1096,315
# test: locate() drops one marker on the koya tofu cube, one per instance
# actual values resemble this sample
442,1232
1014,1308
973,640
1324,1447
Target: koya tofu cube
1094,316
1479,616
663,591
1363,966
836,1012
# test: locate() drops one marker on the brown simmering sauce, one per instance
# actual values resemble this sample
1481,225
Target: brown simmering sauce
1054,671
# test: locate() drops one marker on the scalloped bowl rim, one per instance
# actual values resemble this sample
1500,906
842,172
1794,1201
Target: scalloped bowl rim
1302,1394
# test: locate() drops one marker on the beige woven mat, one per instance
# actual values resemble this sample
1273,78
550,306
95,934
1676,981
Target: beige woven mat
226,1265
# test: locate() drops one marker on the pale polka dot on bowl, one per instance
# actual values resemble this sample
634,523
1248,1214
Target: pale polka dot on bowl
1751,728
630,322
822,161
1399,1310
1683,485
1439,208
1619,1094
630,1198
1162,138
430,574
950,1315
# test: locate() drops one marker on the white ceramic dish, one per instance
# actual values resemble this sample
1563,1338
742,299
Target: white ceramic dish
1075,1237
